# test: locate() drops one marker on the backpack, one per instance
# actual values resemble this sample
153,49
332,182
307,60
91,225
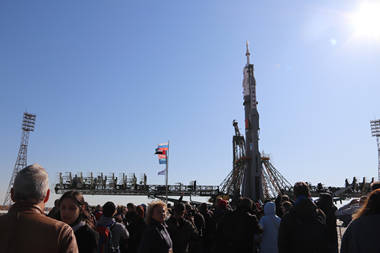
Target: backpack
105,239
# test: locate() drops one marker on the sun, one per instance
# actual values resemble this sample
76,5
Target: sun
366,20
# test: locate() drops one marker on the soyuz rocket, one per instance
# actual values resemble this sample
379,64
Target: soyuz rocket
252,180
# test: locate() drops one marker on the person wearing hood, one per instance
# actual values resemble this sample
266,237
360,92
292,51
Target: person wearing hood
303,229
270,223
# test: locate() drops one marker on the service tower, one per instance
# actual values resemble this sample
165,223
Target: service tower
252,182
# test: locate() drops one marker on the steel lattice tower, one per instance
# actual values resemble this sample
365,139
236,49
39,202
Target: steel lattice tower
21,162
375,129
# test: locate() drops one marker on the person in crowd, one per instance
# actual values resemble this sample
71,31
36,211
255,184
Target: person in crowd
325,203
221,210
140,211
345,212
26,228
281,198
285,207
362,234
270,223
210,229
54,212
98,212
278,203
156,238
136,226
72,211
303,229
119,234
130,214
237,230
197,219
181,230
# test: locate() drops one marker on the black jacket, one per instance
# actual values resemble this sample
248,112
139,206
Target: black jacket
181,232
362,235
156,239
87,239
236,232
136,228
303,229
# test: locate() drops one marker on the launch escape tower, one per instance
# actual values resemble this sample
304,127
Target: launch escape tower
252,182
21,162
375,129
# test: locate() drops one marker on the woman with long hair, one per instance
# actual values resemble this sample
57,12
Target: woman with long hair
73,211
362,233
156,238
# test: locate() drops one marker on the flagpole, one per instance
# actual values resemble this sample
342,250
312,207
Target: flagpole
166,174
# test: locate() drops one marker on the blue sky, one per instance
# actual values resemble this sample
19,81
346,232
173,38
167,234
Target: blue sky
109,80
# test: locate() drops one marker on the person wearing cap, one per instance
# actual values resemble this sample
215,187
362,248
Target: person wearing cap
26,228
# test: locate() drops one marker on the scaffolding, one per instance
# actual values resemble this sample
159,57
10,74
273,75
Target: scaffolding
273,182
127,184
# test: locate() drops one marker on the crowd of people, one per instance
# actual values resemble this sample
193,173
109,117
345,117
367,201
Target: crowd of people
287,225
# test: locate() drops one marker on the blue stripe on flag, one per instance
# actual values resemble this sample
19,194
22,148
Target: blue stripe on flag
162,161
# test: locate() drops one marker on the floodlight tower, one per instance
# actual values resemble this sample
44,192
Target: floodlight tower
28,123
375,129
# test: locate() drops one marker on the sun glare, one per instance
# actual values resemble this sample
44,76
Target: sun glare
366,20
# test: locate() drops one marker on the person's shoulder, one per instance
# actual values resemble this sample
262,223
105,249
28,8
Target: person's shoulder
120,225
251,216
44,220
289,216
87,229
188,223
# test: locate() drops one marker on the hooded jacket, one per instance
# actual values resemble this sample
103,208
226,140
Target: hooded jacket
303,229
270,223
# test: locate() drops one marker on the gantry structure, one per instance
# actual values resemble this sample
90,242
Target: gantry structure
273,182
28,123
127,184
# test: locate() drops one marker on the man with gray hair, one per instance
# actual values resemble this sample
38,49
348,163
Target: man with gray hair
26,228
